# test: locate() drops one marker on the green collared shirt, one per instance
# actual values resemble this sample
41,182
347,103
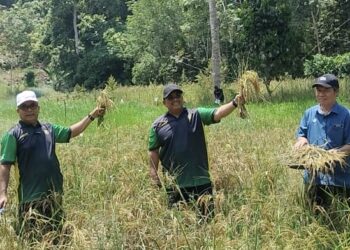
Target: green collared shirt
33,148
182,146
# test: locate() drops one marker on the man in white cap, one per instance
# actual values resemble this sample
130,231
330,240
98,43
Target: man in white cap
31,145
326,125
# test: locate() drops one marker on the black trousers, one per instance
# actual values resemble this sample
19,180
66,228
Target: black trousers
39,217
201,195
323,196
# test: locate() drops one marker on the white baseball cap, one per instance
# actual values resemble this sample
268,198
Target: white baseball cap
24,96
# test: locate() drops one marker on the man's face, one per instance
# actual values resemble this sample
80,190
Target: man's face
29,112
325,96
174,102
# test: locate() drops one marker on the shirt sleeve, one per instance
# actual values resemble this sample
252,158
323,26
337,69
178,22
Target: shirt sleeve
62,134
153,142
347,129
8,149
207,115
303,127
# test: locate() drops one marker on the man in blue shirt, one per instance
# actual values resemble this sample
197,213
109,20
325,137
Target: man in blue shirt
326,125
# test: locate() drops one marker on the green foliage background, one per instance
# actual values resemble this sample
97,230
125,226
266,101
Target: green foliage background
142,42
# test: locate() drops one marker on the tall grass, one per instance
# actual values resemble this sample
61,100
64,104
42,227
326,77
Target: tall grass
110,203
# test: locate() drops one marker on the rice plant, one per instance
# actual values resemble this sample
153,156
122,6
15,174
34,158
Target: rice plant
110,203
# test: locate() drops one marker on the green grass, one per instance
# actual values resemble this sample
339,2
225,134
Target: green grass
110,203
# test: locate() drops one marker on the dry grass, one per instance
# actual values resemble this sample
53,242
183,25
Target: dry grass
317,159
111,204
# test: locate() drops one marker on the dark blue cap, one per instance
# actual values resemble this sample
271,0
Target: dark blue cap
327,81
169,88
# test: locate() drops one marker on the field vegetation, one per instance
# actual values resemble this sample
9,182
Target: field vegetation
109,200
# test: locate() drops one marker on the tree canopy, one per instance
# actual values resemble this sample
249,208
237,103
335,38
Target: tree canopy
83,42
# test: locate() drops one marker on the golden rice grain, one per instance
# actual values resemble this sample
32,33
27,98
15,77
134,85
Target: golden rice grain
249,87
316,159
103,101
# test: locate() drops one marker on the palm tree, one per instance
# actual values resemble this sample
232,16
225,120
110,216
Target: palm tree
215,51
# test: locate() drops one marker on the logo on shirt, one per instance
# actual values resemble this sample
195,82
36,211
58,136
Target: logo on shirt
162,123
189,117
23,135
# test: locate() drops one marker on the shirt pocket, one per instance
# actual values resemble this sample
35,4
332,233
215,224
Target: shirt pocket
336,135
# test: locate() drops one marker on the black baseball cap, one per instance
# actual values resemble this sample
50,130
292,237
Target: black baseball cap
169,88
327,81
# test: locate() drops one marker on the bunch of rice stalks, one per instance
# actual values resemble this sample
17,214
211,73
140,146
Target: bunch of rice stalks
103,101
317,159
249,87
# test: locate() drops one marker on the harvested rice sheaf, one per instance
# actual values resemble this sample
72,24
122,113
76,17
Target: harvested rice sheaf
103,101
317,159
249,87
249,84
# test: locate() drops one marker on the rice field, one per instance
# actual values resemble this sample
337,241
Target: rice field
109,200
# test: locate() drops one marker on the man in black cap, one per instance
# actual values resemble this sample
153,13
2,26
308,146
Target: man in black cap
326,125
177,140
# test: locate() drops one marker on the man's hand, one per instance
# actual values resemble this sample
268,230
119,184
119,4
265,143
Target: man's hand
345,149
239,99
153,167
156,182
3,200
302,141
239,102
98,112
4,181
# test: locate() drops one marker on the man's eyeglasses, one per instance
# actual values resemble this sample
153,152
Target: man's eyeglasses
32,105
174,95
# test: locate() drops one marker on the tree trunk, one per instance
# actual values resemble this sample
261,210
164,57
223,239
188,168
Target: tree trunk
215,43
316,32
76,37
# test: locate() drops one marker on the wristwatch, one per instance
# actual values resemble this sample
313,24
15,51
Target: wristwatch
234,103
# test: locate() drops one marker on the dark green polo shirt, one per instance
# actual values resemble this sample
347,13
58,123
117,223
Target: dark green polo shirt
33,148
182,146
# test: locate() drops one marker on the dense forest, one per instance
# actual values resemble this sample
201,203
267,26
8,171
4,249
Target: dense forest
84,42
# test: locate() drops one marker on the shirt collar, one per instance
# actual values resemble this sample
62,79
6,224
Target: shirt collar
184,111
335,109
25,125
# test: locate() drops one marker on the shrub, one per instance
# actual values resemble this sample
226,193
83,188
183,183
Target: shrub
205,92
29,79
320,64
